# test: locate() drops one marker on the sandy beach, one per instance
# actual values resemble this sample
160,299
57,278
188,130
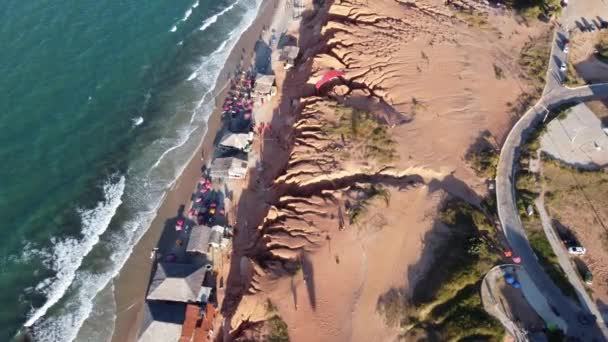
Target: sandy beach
130,286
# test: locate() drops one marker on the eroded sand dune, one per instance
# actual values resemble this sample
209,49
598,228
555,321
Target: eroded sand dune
428,77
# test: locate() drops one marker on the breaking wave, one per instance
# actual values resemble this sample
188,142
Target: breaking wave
66,255
142,190
212,19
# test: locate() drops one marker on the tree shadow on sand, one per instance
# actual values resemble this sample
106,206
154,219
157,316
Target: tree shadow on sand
309,278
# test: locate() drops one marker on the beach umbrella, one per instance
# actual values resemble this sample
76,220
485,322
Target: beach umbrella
516,284
330,75
516,259
509,278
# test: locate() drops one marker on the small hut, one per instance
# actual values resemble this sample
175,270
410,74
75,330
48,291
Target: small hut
229,167
162,322
199,240
174,282
289,55
217,233
264,85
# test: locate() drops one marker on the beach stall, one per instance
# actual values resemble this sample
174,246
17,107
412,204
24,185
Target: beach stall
162,322
289,55
174,282
199,240
229,167
239,141
264,86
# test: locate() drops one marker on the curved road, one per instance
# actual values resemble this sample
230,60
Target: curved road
509,215
553,96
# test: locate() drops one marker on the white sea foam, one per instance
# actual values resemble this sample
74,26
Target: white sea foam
66,255
137,121
212,19
192,76
183,138
144,193
187,14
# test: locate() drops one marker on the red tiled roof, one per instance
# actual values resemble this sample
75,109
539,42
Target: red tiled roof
202,333
189,326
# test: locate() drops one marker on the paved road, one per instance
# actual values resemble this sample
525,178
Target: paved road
553,96
564,260
507,208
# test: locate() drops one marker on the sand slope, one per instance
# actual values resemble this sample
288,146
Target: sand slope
429,78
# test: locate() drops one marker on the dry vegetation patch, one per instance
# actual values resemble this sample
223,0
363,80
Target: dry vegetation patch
578,201
534,60
446,303
602,46
362,135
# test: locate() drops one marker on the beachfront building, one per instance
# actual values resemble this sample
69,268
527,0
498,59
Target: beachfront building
199,240
264,86
202,238
173,282
230,167
289,55
217,234
162,322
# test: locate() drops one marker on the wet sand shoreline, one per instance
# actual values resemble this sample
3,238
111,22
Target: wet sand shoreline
131,284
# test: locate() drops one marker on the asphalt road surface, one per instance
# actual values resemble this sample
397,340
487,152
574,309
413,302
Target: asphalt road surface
581,321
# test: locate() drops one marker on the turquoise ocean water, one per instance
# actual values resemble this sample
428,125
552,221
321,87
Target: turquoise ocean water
101,105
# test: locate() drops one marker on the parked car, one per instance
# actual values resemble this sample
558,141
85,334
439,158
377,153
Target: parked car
564,3
566,48
577,250
563,66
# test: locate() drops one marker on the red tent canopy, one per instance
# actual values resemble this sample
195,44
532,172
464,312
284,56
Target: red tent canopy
330,75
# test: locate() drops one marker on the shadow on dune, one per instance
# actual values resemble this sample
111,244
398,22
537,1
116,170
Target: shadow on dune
309,278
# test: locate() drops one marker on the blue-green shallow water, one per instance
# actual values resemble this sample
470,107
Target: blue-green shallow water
101,105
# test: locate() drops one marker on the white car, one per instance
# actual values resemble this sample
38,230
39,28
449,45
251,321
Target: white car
562,67
577,250
566,49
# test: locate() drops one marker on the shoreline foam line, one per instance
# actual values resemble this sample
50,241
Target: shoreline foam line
187,15
67,325
211,20
66,254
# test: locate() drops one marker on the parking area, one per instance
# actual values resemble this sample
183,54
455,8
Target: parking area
581,13
577,139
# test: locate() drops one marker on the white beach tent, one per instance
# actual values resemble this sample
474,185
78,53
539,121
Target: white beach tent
240,141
